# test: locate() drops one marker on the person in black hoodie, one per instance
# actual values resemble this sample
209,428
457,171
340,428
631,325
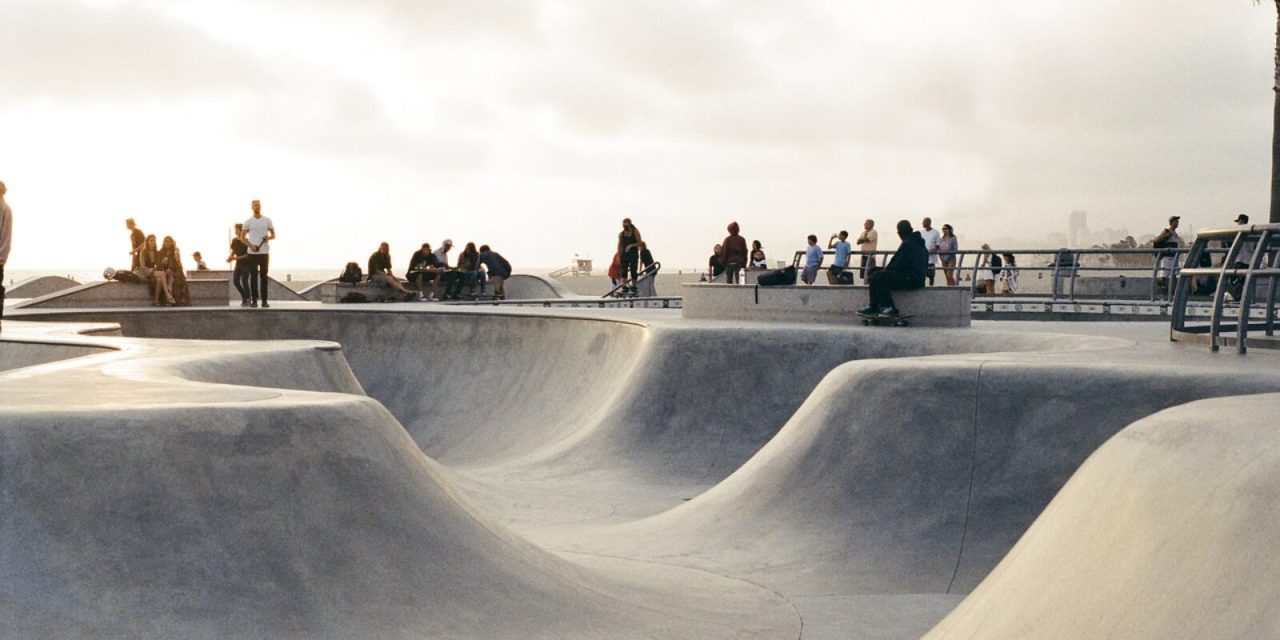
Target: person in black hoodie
905,271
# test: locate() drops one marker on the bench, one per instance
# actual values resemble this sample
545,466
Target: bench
821,304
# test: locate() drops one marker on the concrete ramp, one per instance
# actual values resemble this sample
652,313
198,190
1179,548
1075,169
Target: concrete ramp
40,286
151,504
1168,531
908,476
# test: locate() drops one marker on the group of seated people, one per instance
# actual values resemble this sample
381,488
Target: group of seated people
434,279
160,267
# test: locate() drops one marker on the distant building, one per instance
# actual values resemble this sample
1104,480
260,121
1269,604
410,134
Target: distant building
1078,229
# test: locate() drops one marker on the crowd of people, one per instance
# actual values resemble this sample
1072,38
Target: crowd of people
431,275
160,266
942,248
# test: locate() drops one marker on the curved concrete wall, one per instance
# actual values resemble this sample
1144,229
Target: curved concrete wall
40,286
1168,531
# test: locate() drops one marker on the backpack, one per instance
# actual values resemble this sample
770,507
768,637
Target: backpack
351,274
777,277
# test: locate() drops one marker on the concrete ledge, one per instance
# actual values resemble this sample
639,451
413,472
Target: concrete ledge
111,294
334,292
822,304
40,286
276,290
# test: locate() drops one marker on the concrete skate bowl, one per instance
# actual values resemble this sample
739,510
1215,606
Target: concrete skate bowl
673,405
900,476
137,503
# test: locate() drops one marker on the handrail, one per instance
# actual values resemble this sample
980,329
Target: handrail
1263,241
1066,264
650,271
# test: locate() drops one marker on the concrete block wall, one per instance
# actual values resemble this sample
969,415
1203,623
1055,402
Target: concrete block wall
822,304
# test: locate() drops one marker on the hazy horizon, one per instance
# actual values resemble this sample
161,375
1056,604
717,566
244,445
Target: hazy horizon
536,126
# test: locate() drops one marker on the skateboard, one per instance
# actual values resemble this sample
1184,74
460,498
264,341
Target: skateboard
879,320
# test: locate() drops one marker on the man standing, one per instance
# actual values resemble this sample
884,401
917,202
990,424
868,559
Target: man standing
6,239
258,234
932,240
239,259
1168,239
735,254
905,271
812,260
137,239
867,243
839,242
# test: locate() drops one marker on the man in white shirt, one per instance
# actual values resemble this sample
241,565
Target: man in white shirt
867,243
449,278
258,232
6,240
932,238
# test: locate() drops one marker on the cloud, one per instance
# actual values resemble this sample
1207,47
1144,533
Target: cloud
62,50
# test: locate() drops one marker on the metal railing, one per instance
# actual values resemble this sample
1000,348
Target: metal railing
1064,267
647,273
1250,259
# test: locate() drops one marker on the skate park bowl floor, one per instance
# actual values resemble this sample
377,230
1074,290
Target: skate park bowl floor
431,472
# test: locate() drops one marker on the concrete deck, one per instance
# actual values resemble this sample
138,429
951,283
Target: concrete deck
516,473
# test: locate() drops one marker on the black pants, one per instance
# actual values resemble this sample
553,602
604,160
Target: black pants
734,271
240,278
451,281
258,263
883,282
930,273
630,266
1,292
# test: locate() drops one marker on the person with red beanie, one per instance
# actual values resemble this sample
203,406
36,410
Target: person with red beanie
735,254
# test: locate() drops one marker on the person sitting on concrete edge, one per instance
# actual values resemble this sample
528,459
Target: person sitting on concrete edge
905,271
380,272
839,242
499,270
812,260
424,269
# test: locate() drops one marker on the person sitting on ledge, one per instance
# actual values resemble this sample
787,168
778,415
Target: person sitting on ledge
424,270
905,271
380,272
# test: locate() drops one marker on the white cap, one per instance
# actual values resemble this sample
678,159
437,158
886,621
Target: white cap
447,241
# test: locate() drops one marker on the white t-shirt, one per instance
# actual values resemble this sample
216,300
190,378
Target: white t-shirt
932,238
442,257
256,232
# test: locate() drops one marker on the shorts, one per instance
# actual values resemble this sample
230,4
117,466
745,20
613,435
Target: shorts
836,270
810,274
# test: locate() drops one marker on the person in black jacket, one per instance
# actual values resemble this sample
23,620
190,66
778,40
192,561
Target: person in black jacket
905,271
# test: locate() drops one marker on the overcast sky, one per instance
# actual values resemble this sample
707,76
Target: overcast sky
536,126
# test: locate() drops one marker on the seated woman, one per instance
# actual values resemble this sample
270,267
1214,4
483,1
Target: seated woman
170,265
758,260
148,271
469,265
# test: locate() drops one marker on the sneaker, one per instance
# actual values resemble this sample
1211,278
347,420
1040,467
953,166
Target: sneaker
253,303
244,303
889,312
867,311
265,305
